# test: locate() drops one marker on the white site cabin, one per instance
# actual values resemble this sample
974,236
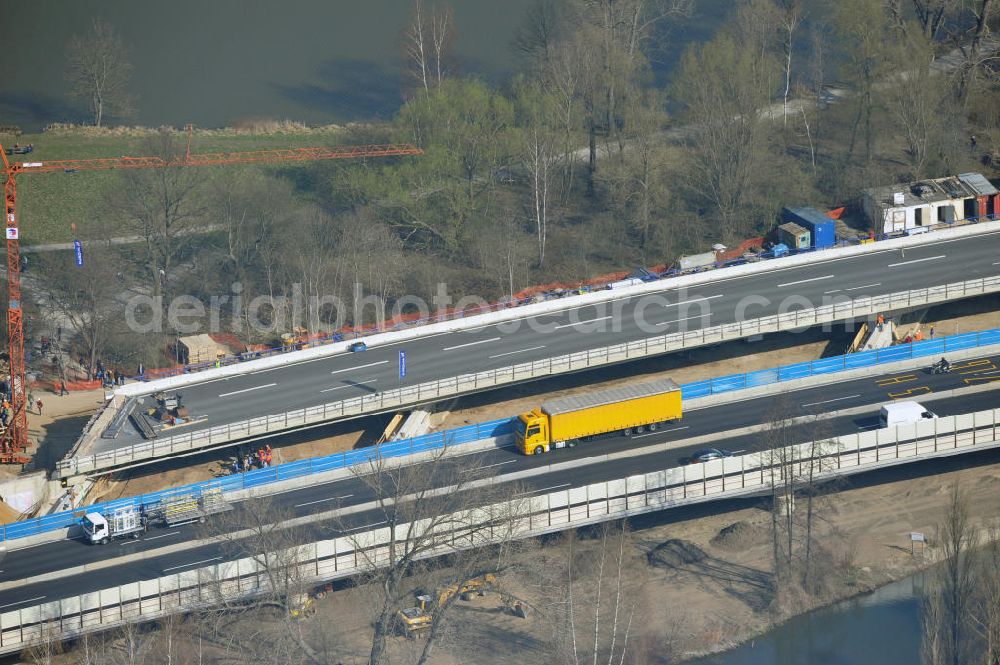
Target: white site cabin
917,206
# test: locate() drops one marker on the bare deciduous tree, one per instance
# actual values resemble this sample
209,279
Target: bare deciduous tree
428,45
723,86
84,296
797,502
986,605
865,27
958,580
98,69
592,586
790,15
161,206
538,114
267,534
441,506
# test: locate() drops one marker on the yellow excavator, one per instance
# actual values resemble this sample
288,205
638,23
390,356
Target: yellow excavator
417,620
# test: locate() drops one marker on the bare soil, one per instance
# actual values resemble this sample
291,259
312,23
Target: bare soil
53,432
706,586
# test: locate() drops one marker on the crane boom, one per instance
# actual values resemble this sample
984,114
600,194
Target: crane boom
14,440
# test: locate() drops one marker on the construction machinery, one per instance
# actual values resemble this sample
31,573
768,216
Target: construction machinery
303,605
629,410
417,620
14,441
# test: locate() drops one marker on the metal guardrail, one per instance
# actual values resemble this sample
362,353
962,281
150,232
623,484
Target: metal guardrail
467,383
534,515
504,427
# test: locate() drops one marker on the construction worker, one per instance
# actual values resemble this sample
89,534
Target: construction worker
881,322
267,456
932,332
39,405
62,388
917,336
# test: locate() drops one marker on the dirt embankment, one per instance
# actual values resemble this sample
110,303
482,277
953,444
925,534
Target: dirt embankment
701,578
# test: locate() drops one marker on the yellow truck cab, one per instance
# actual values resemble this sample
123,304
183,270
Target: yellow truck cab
631,410
532,432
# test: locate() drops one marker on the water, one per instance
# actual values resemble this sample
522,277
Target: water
214,63
882,628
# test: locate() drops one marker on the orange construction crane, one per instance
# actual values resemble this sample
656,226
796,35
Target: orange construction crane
14,440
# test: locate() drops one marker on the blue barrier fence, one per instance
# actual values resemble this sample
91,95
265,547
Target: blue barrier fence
271,474
494,428
931,347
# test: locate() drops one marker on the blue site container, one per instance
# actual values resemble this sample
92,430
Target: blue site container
821,227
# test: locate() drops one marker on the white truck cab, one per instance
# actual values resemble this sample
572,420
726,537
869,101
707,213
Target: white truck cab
903,413
124,522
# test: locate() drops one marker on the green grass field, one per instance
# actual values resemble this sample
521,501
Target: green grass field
49,203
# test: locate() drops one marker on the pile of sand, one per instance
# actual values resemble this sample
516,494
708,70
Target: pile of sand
8,514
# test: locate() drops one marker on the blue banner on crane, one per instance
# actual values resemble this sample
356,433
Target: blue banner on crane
78,251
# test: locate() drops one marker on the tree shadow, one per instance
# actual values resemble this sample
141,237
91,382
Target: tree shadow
752,587
349,88
58,438
33,110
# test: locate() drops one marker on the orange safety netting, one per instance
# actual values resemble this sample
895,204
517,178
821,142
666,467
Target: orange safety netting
53,385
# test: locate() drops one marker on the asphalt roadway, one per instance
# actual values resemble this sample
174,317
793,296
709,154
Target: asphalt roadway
864,393
446,355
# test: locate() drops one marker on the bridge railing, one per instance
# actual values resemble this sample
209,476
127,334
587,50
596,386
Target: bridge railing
445,388
232,366
523,517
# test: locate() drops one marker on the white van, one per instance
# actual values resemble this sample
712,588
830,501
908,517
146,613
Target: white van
903,413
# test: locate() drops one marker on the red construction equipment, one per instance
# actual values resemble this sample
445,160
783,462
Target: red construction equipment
14,440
